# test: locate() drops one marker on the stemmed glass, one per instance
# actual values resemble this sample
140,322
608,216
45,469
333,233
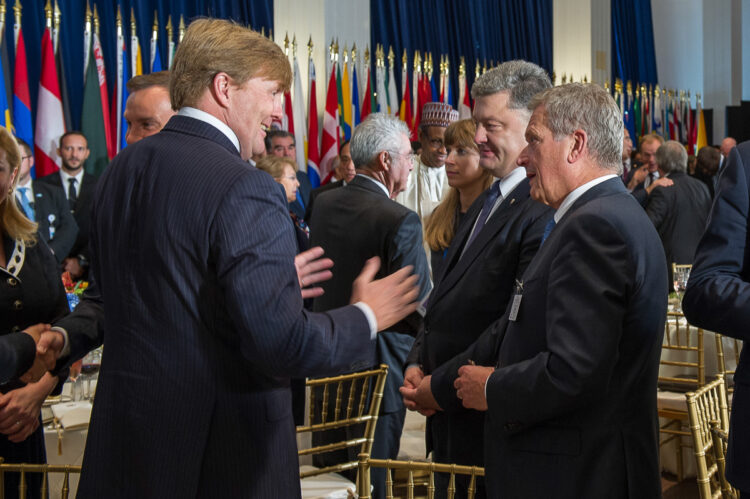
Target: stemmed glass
680,278
90,368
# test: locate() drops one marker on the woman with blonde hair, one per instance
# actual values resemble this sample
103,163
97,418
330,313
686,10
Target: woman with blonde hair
31,292
467,180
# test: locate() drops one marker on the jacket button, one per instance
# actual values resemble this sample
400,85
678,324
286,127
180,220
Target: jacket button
18,305
12,281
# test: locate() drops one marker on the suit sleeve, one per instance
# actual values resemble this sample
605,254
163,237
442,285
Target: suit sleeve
718,292
85,325
17,351
592,266
657,207
67,232
253,247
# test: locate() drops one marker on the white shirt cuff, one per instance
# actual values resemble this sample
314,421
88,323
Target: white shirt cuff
66,345
371,320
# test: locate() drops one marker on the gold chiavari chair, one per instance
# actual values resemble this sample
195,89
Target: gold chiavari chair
45,469
720,438
707,404
412,468
722,355
349,401
682,369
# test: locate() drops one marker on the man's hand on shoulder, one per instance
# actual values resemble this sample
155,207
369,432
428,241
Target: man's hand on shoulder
391,298
660,182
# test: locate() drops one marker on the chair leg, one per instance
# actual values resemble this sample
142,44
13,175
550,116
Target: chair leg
678,447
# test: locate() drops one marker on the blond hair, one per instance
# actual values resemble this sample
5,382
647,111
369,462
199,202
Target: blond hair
440,227
12,221
212,46
274,165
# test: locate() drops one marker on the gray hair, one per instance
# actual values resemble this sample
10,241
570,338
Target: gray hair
379,132
672,157
589,107
522,79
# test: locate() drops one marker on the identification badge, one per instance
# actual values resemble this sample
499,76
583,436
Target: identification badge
516,301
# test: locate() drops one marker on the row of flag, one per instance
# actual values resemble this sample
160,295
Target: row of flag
669,113
102,119
350,98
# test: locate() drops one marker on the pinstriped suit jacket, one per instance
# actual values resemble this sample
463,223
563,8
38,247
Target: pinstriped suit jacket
193,253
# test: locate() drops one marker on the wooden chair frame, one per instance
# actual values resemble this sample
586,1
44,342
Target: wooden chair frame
707,404
365,464
23,469
720,438
721,360
364,394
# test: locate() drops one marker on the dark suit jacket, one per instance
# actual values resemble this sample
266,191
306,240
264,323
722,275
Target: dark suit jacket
572,403
194,256
82,212
316,192
355,223
718,294
470,296
679,213
305,187
57,226
17,352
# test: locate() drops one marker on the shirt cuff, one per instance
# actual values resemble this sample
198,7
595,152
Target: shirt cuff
371,320
66,345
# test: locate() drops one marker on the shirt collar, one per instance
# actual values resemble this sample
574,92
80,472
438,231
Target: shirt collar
212,120
377,182
511,180
64,176
577,193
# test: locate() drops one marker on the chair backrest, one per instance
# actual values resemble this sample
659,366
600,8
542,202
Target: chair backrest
44,469
411,467
683,363
347,401
727,353
720,438
707,404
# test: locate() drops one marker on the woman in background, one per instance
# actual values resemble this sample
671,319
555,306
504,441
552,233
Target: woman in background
467,180
31,292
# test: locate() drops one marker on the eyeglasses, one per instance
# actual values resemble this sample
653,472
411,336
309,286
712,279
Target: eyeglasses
408,155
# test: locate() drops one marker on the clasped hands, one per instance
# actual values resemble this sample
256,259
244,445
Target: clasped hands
417,392
49,344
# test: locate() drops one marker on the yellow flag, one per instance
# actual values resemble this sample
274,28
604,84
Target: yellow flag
701,138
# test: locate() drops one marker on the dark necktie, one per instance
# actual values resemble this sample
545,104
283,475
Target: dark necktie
547,229
489,202
72,197
650,178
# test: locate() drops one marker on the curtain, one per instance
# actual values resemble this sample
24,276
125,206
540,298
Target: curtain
633,54
480,30
256,13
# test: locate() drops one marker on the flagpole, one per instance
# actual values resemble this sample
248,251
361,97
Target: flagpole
86,40
170,44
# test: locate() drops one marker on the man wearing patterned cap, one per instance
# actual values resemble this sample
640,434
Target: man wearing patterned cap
428,183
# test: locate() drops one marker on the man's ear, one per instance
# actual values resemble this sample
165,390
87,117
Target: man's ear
578,145
220,88
384,161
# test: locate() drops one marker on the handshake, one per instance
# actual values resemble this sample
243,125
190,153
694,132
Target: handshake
49,344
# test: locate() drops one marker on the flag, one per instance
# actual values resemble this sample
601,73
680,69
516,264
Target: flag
287,117
405,111
95,122
392,97
50,122
464,106
123,75
346,100
5,114
424,94
156,61
340,97
298,112
700,139
657,112
382,96
434,94
329,146
21,97
355,96
367,101
135,52
313,151
637,115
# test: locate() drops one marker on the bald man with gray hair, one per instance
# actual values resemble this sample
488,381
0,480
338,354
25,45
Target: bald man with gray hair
678,212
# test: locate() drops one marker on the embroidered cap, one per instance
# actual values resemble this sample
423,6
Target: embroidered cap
438,114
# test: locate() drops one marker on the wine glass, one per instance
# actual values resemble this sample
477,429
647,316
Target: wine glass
90,368
75,386
681,274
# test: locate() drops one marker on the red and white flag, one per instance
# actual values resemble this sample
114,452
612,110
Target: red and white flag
464,103
50,120
313,151
330,141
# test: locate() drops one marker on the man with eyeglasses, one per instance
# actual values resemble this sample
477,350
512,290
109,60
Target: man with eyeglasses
357,222
343,172
428,183
46,205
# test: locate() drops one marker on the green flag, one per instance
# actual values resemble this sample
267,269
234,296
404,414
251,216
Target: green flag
92,121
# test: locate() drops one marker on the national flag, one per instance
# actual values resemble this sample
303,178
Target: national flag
155,54
50,122
464,107
135,48
700,138
637,115
670,119
355,96
298,112
95,121
156,61
424,95
628,116
393,101
382,96
657,113
340,97
434,94
21,96
330,141
367,101
405,111
5,119
313,151
346,100
287,116
123,75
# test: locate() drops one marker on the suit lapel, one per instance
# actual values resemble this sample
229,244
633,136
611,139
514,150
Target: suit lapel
488,233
